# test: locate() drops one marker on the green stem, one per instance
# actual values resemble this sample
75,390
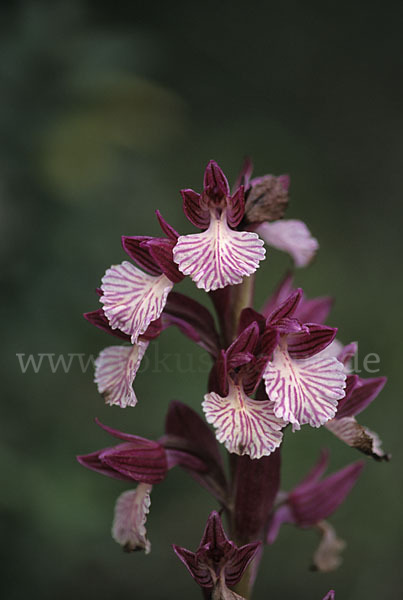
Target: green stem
242,298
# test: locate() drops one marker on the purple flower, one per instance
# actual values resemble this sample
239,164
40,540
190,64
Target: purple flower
314,499
244,425
311,502
145,462
217,560
220,255
131,298
137,459
304,385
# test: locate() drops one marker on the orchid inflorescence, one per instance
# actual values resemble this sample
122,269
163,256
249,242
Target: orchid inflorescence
271,369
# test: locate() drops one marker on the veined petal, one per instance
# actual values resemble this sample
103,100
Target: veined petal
132,299
360,395
304,391
161,251
317,471
115,370
93,462
214,182
146,463
198,215
314,310
241,558
310,342
169,231
219,256
236,207
134,248
291,236
200,572
131,510
244,425
316,500
287,308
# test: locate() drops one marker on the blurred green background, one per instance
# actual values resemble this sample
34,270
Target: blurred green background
107,110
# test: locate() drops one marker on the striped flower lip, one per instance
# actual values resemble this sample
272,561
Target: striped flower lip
304,385
115,370
131,510
304,390
243,425
220,255
132,299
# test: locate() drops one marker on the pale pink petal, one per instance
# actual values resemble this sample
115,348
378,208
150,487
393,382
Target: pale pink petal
304,391
115,370
219,256
244,425
131,510
132,299
291,236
